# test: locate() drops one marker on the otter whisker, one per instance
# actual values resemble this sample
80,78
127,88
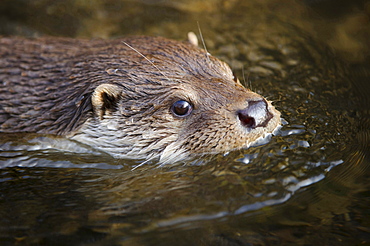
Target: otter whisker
204,44
146,161
250,82
146,58
244,81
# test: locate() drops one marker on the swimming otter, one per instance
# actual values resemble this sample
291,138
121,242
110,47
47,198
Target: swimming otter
139,97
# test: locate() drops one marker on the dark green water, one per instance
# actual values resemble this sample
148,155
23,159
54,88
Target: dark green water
308,186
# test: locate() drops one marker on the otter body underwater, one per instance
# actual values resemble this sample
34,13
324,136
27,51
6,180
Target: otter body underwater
136,98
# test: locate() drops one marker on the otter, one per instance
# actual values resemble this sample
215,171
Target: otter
138,97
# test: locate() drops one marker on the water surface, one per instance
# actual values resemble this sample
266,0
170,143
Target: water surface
307,186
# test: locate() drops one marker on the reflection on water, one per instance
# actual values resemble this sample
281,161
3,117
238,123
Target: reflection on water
308,185
33,150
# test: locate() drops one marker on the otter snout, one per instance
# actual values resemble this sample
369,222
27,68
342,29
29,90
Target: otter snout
256,114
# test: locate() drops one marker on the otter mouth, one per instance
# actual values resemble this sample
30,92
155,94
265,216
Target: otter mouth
266,138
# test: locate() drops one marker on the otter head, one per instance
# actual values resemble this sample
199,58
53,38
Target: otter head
174,103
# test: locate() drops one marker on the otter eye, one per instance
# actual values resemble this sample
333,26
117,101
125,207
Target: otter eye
181,108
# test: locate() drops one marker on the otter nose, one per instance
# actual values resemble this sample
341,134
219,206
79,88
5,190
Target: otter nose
255,115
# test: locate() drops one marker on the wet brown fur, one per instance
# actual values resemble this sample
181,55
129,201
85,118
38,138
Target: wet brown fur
47,85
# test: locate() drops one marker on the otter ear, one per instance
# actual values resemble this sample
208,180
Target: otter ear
193,39
105,98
